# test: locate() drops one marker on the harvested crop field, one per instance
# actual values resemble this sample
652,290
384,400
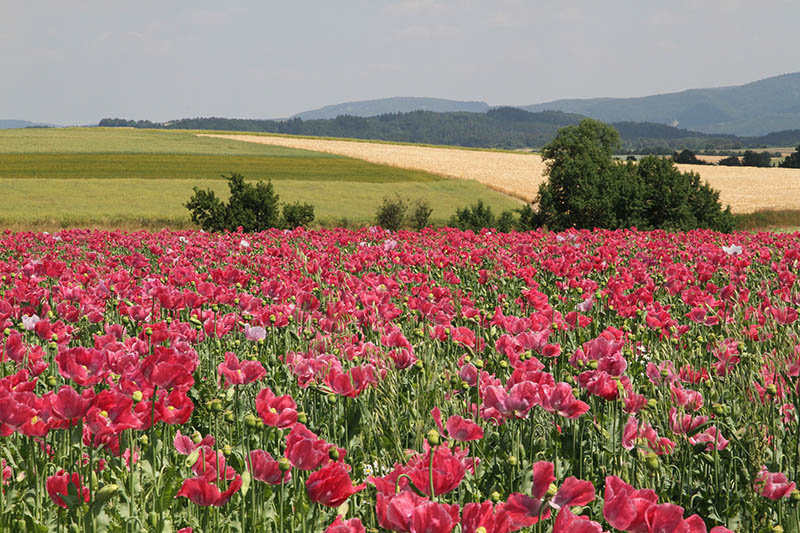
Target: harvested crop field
745,189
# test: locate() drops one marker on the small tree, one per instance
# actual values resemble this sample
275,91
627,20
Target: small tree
420,216
391,213
792,160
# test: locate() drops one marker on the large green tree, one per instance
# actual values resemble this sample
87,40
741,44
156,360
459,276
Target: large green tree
587,188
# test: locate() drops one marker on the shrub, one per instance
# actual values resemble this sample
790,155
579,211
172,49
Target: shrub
730,161
792,160
756,159
687,157
420,216
479,216
297,214
391,213
587,188
252,207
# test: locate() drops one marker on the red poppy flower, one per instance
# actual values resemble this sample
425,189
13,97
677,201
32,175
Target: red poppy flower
463,430
773,486
276,411
68,404
566,522
203,493
475,515
240,373
58,487
339,525
85,366
168,368
448,471
331,485
264,468
304,449
624,506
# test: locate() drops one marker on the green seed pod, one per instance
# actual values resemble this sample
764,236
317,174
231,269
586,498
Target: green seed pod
512,460
433,437
226,450
772,390
137,396
144,440
148,331
302,417
333,453
251,421
652,403
419,364
495,496
284,465
51,381
652,462
478,363
7,332
795,496
246,478
152,518
331,398
216,406
197,437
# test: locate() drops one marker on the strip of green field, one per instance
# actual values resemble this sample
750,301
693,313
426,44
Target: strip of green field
41,203
131,141
72,166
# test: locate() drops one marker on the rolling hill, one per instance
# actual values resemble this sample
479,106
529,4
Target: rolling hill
398,104
752,109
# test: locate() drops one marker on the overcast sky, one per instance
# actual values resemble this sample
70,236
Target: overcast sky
75,62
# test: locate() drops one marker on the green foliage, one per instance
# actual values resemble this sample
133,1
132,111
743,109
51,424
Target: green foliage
756,159
421,214
687,157
391,213
252,207
730,161
297,214
792,160
588,189
479,216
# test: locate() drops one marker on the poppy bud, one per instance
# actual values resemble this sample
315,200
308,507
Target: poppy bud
51,381
7,332
593,364
512,460
495,496
772,390
144,440
777,528
284,465
433,437
229,417
481,529
719,409
419,364
503,364
53,346
216,406
226,450
192,458
302,417
464,385
467,358
333,453
54,337
137,396
197,438
250,421
331,398
652,403
651,461
478,363
795,496
148,331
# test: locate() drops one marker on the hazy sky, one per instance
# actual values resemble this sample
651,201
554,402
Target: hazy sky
75,62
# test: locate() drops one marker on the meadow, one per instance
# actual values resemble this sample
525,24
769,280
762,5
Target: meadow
133,178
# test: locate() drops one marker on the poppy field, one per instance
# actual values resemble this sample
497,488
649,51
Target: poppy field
351,381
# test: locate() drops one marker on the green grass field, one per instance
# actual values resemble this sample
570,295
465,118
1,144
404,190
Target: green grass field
111,177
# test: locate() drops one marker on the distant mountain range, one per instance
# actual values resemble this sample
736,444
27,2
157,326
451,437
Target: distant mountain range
753,109
7,124
397,104
503,127
750,110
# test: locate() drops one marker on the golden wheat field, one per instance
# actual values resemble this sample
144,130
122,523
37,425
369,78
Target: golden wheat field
745,189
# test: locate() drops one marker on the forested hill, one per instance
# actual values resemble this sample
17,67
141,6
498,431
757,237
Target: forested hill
504,127
752,109
397,104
